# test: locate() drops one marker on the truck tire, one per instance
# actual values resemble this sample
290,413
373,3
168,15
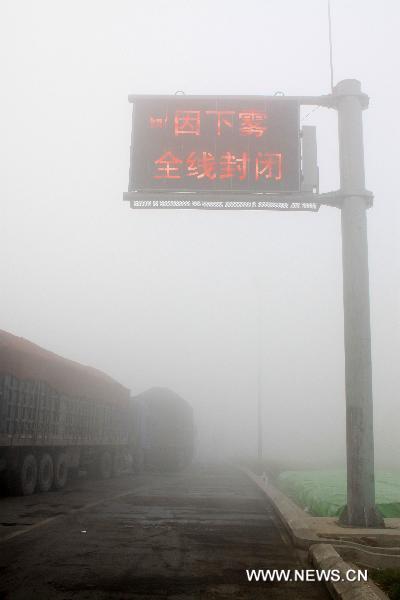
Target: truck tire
73,473
22,482
60,471
104,465
45,473
118,463
101,467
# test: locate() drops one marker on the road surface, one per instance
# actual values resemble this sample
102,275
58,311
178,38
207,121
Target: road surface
188,535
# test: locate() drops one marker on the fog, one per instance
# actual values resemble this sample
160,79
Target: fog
170,297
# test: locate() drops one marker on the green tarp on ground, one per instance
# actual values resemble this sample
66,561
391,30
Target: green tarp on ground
323,493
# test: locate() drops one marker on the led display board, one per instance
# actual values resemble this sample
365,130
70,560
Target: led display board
215,144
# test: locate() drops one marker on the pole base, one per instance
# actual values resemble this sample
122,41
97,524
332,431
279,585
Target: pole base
369,517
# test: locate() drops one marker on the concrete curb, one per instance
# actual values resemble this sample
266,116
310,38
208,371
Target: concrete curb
324,557
297,524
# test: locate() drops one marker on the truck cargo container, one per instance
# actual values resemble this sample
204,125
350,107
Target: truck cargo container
57,416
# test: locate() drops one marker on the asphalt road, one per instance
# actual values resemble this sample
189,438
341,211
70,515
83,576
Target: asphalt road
188,535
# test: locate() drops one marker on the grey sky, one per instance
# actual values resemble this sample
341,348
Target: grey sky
170,298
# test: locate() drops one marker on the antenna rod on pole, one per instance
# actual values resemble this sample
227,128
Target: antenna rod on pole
330,43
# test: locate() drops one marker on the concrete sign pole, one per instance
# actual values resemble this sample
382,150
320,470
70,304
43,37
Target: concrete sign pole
260,360
360,510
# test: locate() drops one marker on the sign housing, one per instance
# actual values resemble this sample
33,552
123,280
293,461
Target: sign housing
215,144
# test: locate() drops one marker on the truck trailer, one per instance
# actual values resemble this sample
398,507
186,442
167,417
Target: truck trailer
57,416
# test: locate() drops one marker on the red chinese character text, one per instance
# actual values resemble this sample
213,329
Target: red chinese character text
221,119
157,122
168,166
252,123
187,122
269,165
201,165
233,166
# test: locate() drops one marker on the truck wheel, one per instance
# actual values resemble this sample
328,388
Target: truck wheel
73,473
23,481
60,471
117,464
104,465
45,473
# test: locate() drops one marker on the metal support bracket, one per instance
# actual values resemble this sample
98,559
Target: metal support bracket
337,197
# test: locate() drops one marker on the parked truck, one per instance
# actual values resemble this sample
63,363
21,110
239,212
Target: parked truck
166,429
57,416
